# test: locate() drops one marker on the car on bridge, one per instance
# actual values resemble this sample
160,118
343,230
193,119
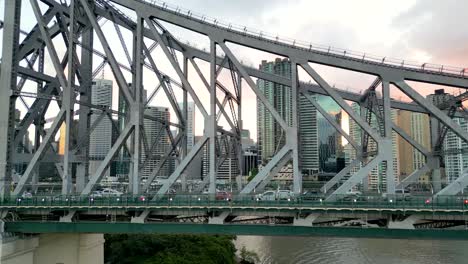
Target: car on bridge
223,196
275,195
108,192
312,195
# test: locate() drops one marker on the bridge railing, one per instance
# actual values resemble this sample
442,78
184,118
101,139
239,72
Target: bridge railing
309,46
243,201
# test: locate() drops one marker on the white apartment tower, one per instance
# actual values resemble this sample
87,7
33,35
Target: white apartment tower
190,124
100,140
154,130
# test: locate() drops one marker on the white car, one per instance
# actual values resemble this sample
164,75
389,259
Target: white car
266,196
110,192
284,195
96,194
27,195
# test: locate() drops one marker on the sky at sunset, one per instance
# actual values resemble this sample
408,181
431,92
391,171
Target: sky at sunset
413,30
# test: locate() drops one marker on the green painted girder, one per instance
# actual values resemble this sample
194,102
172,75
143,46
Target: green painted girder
232,229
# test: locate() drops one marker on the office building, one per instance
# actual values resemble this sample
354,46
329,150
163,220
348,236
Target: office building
270,136
155,130
100,140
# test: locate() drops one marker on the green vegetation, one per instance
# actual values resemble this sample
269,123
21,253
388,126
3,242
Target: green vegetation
252,174
248,257
170,249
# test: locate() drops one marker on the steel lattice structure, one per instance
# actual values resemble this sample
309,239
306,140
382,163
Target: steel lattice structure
76,24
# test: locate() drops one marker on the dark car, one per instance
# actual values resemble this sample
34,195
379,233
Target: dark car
353,198
312,196
223,195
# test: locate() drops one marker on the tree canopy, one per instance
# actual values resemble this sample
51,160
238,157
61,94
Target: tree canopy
170,249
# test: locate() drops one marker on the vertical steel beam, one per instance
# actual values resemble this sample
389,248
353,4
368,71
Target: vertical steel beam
386,146
136,106
87,38
185,110
39,120
293,132
240,123
211,127
68,103
8,76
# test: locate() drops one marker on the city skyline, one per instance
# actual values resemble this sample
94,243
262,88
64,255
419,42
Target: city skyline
407,20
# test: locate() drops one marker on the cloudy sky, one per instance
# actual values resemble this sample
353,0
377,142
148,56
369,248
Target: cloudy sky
413,30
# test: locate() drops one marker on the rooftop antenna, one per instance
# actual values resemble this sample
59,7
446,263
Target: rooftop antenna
103,71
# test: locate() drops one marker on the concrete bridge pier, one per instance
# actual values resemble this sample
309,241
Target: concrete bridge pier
52,248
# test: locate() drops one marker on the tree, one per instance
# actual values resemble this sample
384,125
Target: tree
253,172
248,257
168,249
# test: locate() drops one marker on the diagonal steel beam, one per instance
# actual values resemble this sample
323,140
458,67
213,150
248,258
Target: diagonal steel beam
161,164
207,86
355,178
182,166
456,186
413,177
410,140
253,86
38,154
49,44
105,163
122,83
176,67
163,84
433,110
339,100
264,172
339,176
333,122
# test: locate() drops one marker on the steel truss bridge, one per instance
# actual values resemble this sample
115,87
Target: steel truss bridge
85,50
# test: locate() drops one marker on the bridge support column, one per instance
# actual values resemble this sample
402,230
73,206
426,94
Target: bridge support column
218,220
53,248
306,221
407,223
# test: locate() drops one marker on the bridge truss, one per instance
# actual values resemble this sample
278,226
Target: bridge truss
76,27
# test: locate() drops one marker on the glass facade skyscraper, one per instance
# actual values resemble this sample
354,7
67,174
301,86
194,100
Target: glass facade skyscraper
270,136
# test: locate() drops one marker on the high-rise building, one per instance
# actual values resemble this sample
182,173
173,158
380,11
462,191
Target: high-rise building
246,141
154,130
439,96
229,168
455,160
308,137
190,124
270,136
377,178
250,160
100,140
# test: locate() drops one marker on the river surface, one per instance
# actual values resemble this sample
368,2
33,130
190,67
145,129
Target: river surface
354,250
